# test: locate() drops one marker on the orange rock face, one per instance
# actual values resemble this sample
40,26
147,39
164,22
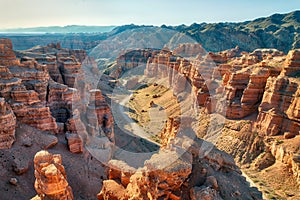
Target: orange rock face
153,181
279,111
250,83
7,56
51,181
177,171
131,59
24,85
7,124
99,116
75,142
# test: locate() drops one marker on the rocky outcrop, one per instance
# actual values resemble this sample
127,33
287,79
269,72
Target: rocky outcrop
75,142
7,124
61,98
249,83
154,181
244,81
189,170
129,60
24,86
292,64
7,56
244,91
64,65
76,134
279,111
182,175
51,181
189,50
287,152
51,63
99,116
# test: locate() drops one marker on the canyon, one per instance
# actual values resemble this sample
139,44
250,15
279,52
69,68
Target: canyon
168,121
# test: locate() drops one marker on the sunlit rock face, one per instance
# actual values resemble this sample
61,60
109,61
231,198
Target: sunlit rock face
279,111
51,180
178,171
7,124
24,86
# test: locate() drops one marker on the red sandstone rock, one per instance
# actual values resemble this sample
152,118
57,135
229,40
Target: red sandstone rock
279,110
99,115
7,56
111,190
51,181
24,85
7,124
75,142
292,64
129,60
119,170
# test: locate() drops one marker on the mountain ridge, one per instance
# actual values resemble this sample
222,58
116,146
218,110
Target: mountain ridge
60,29
279,31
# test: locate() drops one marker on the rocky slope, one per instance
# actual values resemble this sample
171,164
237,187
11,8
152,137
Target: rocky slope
278,31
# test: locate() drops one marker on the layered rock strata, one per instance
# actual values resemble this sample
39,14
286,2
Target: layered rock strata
51,181
184,168
279,111
99,116
7,124
237,84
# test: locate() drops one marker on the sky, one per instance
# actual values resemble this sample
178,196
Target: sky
33,13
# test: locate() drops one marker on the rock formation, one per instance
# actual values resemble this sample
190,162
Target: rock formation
7,124
183,174
189,50
280,106
248,84
182,169
99,116
46,89
24,86
7,56
129,60
51,181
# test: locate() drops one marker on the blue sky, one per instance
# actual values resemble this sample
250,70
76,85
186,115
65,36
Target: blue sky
31,13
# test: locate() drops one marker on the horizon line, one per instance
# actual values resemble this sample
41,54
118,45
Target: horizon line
158,25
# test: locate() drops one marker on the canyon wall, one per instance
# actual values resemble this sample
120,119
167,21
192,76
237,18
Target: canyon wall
264,82
45,87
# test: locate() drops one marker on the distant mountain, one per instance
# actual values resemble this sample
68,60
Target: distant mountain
61,29
139,38
280,31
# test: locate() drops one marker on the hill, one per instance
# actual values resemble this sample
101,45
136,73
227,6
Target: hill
61,29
